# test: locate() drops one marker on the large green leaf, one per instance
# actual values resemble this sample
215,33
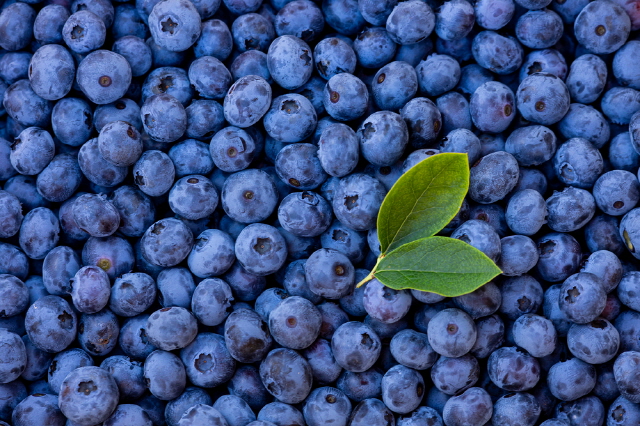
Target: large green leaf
423,200
440,265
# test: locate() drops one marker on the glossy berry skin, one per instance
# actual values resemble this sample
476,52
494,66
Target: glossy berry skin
243,90
295,323
119,143
15,356
246,335
451,333
290,61
518,255
455,375
586,79
355,346
291,384
480,235
175,25
492,107
51,60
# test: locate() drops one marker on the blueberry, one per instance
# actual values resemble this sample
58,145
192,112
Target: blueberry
88,394
593,29
329,273
383,138
36,408
503,372
586,79
90,289
302,19
209,77
385,304
539,29
519,408
345,97
570,209
595,343
343,16
39,233
623,412
484,186
48,24
215,40
616,199
619,104
135,209
174,24
51,72
327,404
494,14
571,379
280,414
133,338
499,54
535,334
490,336
543,98
481,235
473,407
207,361
113,254
14,358
531,145
518,255
25,107
582,297
333,56
492,107
286,375
165,375
235,410
560,256
452,333
424,121
104,76
132,294
32,151
453,376
164,118
411,22
357,200
481,302
291,118
95,215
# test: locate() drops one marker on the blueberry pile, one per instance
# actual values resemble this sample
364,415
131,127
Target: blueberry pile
190,191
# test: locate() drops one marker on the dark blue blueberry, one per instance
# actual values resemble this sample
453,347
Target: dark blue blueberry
503,372
291,118
343,16
164,375
438,74
304,214
135,209
410,22
494,14
113,254
193,197
520,295
385,304
531,145
329,273
260,249
570,209
412,349
383,138
424,121
10,214
490,336
132,293
622,153
32,151
159,123
60,179
98,333
626,290
290,61
127,374
326,404
584,121
582,297
300,18
518,255
338,149
251,62
48,24
373,48
596,343
24,106
104,76
136,52
453,376
357,201
14,356
578,162
38,408
133,338
333,56
84,31
235,410
172,81
587,78
209,77
215,40
571,379
454,109
616,192
345,97
167,242
39,233
451,333
207,361
51,72
539,29
286,375
245,285
619,104
121,110
246,384
95,215
535,334
127,21
252,31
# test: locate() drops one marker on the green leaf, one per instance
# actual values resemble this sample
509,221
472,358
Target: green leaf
423,200
440,265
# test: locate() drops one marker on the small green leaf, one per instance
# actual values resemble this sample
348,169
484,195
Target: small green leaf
423,200
440,265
